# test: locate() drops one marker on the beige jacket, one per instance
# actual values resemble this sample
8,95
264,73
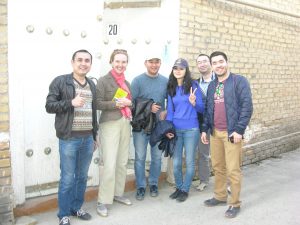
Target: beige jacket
106,89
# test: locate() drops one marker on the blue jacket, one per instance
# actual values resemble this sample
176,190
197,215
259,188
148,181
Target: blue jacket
159,135
181,112
238,104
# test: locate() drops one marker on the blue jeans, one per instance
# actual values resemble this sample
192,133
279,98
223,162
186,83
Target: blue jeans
187,139
75,158
140,141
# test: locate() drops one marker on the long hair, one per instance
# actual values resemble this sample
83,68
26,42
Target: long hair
173,84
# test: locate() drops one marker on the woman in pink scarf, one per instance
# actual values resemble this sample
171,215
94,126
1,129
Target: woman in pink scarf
114,101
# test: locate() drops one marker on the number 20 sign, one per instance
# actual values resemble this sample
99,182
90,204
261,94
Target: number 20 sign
112,29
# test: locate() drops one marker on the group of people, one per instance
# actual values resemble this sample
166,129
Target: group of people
216,107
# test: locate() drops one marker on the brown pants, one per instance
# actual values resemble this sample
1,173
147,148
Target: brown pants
226,160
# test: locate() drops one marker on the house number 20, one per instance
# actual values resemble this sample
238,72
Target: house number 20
113,29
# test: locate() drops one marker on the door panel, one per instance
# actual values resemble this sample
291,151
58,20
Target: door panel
42,36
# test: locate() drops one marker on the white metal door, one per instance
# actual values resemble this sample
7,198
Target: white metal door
42,35
42,39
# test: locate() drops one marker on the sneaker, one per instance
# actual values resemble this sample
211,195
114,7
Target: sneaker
65,221
182,196
232,212
102,210
123,200
175,194
201,187
81,214
140,194
153,190
214,202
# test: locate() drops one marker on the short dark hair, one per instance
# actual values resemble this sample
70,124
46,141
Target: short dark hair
202,55
81,50
216,53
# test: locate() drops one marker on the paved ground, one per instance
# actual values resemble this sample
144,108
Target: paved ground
270,196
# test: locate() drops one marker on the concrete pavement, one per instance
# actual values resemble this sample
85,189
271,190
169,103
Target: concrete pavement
270,196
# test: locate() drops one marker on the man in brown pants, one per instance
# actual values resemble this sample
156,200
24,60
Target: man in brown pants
227,114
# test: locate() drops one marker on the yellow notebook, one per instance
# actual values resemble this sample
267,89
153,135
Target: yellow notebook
120,93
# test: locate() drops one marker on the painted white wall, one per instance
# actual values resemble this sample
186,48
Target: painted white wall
34,59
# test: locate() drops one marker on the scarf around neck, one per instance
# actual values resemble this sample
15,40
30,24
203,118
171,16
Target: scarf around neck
120,80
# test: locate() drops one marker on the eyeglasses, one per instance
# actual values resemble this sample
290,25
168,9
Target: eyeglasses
202,62
218,89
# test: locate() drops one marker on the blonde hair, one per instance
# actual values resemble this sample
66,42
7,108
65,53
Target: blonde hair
117,51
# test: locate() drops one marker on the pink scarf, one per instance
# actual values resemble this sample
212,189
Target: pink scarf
120,79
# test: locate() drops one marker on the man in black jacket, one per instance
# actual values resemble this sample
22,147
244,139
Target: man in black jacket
227,114
72,97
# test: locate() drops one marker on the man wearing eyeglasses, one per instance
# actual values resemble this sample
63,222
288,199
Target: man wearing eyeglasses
227,114
206,76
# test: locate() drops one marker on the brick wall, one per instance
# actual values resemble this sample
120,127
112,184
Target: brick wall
265,47
291,6
6,193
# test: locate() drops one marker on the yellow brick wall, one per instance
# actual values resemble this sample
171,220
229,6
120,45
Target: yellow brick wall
291,6
6,193
265,47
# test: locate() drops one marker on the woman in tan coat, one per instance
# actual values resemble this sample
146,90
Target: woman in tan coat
114,101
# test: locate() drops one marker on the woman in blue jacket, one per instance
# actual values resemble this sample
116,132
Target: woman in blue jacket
184,101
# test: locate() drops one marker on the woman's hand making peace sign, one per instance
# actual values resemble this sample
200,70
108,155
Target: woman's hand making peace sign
192,97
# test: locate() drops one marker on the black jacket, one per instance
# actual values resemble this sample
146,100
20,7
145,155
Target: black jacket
200,115
159,135
59,101
142,117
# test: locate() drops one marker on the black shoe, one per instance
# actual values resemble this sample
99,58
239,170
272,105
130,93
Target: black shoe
140,194
182,196
81,214
214,202
175,194
153,191
232,211
64,221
